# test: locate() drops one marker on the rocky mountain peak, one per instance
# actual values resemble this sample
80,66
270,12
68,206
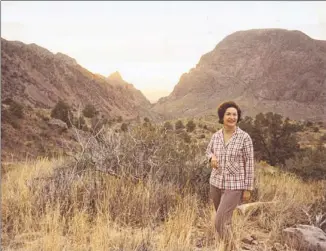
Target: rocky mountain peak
115,76
263,70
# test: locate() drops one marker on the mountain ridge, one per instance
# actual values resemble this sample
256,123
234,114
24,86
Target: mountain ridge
262,69
34,76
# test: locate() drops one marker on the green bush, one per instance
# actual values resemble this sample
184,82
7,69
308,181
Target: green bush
274,138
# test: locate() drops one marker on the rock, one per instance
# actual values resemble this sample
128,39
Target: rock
244,209
246,247
247,240
305,237
254,242
58,123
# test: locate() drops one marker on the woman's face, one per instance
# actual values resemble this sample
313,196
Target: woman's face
230,118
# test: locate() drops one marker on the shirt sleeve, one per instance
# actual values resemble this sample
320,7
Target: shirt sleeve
209,150
249,163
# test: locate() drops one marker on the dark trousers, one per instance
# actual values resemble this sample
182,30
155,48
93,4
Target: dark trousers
225,201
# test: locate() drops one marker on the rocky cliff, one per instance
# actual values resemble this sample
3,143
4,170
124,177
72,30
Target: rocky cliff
263,70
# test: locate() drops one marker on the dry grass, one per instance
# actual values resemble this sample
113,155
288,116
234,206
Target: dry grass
128,216
158,202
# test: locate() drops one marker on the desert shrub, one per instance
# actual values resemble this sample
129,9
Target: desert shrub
201,136
274,138
323,138
179,125
148,171
119,119
309,123
7,117
124,127
98,123
89,111
80,123
315,129
16,109
190,126
63,112
309,164
144,154
186,137
7,101
168,126
212,129
42,114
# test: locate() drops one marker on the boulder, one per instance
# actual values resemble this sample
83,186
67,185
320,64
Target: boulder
57,123
305,238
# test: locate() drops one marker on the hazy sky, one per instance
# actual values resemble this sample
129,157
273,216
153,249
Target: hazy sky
150,43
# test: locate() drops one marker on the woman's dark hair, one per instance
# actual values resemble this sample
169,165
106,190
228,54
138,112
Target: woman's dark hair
224,106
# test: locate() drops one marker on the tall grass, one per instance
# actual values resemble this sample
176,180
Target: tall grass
109,199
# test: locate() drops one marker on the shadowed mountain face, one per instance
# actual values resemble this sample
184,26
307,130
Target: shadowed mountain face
263,70
35,77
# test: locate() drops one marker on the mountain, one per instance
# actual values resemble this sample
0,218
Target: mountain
262,70
116,76
33,76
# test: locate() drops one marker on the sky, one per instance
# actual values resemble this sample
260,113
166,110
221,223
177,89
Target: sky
150,43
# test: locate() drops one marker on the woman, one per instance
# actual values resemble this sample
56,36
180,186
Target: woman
231,154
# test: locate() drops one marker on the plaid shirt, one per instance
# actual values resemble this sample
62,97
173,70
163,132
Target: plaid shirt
235,161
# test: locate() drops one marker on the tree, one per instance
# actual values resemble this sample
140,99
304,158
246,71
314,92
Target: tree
273,137
190,126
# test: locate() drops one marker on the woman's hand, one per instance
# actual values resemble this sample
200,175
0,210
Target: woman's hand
246,195
214,163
